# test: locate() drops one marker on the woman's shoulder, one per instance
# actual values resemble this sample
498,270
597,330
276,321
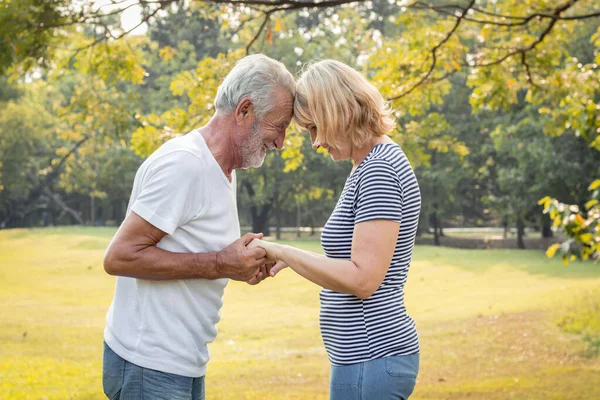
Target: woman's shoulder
384,157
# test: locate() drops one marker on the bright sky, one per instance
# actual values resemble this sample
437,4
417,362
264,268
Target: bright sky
129,18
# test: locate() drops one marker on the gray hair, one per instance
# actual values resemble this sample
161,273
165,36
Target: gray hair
254,76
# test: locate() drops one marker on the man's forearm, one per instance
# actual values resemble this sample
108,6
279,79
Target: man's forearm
153,263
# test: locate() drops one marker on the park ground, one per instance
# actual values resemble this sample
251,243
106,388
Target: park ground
494,324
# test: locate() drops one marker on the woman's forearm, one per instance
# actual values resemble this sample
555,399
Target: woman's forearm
340,275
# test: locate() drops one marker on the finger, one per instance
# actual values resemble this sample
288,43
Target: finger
248,237
253,244
259,263
258,253
279,265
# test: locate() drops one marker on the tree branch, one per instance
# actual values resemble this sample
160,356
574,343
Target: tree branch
262,27
434,55
529,76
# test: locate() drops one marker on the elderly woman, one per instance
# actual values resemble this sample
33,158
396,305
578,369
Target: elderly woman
371,341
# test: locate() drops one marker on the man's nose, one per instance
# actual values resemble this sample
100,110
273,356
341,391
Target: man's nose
279,141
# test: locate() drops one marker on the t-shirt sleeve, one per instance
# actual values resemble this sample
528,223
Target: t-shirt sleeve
170,195
379,193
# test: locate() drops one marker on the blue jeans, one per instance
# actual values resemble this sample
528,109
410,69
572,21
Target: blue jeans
123,380
380,379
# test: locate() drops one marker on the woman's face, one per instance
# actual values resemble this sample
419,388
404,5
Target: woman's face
340,152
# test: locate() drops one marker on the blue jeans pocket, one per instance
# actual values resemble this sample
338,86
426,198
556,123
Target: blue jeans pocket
345,382
163,385
113,372
403,366
403,370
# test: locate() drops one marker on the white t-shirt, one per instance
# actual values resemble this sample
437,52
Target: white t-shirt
166,325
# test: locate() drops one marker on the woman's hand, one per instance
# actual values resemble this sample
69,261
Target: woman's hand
279,265
273,249
274,252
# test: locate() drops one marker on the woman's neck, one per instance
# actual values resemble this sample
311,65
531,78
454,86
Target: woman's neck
359,154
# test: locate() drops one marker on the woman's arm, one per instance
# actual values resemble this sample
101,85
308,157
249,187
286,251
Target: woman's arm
373,245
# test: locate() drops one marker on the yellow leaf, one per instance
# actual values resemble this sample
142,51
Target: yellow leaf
591,204
544,201
511,83
167,53
586,237
595,185
455,65
278,25
552,250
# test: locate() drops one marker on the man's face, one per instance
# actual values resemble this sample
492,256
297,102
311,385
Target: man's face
269,132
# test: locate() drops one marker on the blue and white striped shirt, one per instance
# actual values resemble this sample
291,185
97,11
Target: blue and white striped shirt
383,186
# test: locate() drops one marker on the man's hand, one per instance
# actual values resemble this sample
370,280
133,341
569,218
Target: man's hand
240,263
261,274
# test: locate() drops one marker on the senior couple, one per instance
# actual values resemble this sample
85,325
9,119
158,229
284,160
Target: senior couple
180,242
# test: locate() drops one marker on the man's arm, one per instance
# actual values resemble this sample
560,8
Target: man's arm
133,253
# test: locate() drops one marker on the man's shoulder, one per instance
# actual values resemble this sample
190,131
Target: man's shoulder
180,152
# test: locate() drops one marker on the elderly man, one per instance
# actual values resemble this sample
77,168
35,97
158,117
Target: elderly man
179,244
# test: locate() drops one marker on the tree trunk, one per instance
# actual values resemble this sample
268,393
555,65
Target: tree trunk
505,225
277,216
520,233
66,209
546,227
92,210
260,219
298,219
260,216
436,234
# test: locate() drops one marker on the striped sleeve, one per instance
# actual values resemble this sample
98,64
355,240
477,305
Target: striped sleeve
379,192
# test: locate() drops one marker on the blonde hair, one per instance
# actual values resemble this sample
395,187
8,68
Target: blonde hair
341,103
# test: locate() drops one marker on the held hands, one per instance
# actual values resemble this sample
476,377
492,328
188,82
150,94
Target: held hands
273,251
242,263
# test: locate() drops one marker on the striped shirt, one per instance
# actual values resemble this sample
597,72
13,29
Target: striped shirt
383,186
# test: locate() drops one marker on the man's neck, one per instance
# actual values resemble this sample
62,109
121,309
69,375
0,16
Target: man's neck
219,137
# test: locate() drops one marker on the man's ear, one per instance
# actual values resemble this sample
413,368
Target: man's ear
244,112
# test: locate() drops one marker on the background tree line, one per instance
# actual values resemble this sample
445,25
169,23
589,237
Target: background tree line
497,105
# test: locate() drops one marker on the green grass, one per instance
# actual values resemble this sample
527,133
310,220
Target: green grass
494,324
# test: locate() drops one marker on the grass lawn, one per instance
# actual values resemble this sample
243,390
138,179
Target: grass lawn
494,324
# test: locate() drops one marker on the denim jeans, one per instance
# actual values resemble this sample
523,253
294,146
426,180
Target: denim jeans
380,379
123,380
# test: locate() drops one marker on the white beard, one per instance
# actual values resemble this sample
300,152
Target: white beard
251,150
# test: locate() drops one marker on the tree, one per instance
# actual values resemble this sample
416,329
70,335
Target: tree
27,137
511,53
